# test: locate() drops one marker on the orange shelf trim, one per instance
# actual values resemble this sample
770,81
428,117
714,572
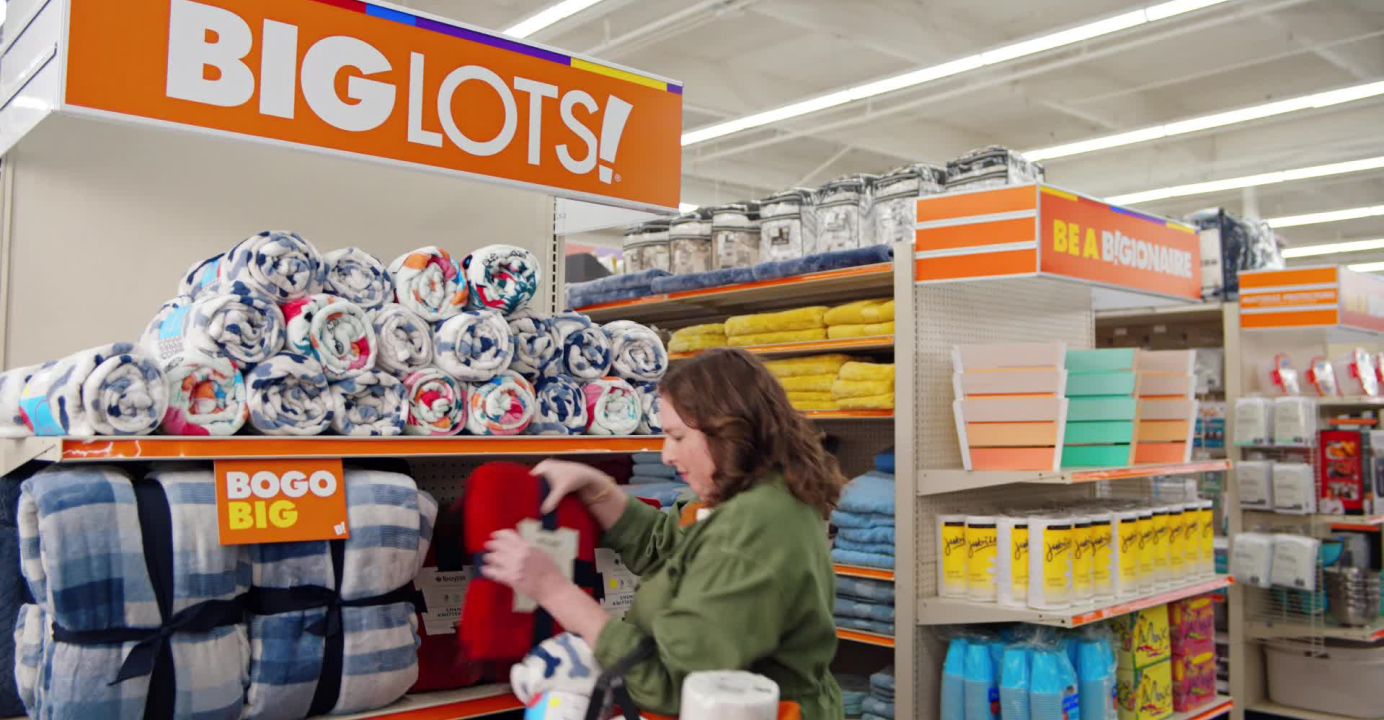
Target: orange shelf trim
266,447
865,637
1135,471
864,572
1152,601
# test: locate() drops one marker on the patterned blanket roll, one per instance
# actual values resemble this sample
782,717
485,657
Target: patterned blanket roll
637,353
474,346
108,390
503,278
612,407
206,396
12,384
277,264
202,274
428,282
535,345
405,340
502,405
583,348
561,408
356,276
436,403
649,421
289,395
335,332
226,321
371,404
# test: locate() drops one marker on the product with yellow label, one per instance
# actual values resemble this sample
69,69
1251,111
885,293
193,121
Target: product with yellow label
1145,693
1103,556
1191,541
1194,680
1013,561
1083,557
1144,637
982,556
1208,538
1126,533
1147,578
951,552
1177,544
1161,546
1049,563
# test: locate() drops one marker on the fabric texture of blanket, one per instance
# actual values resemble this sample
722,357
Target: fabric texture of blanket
847,519
654,469
535,345
627,286
712,329
881,534
560,407
860,388
277,264
356,276
804,318
872,492
867,371
582,302
108,390
436,403
876,591
333,331
584,348
13,592
474,346
841,332
869,402
873,626
503,278
502,405
612,407
206,396
289,395
848,607
812,400
884,462
428,282
333,623
776,338
700,280
637,352
649,402
12,384
821,262
237,324
879,708
562,663
875,548
405,340
809,365
371,404
808,383
863,559
130,583
692,343
860,312
202,274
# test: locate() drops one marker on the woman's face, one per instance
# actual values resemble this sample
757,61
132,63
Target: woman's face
685,448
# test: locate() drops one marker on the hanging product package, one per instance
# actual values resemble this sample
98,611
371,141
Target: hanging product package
1013,561
843,208
1357,373
1251,559
689,243
1294,489
991,167
446,571
735,235
894,213
1255,479
496,623
1254,421
1321,378
1294,421
1294,562
787,224
1050,563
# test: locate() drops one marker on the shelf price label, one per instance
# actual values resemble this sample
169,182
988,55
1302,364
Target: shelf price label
268,501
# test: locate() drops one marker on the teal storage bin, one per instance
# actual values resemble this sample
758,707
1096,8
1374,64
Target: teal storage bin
1098,433
1088,361
1102,383
1085,456
1087,409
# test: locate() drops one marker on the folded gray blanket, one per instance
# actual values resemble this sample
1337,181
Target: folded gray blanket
697,281
821,262
615,287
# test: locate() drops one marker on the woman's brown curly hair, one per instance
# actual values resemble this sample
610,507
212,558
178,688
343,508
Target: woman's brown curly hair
751,428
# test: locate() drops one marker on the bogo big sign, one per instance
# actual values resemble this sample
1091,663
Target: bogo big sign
265,501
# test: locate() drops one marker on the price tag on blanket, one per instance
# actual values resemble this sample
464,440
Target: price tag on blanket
445,594
561,546
619,582
268,501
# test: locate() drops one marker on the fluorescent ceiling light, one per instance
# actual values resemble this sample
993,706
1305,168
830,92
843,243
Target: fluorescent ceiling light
1335,248
1367,267
1272,178
1326,217
687,207
547,16
1013,51
1214,120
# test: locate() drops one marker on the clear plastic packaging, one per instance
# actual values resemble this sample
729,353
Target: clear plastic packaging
982,551
1013,562
981,683
1295,562
991,167
787,225
646,246
954,680
951,568
1294,421
1251,559
735,235
689,243
1356,373
1050,562
894,212
633,251
1254,422
843,208
1283,379
1255,478
1321,378
1294,489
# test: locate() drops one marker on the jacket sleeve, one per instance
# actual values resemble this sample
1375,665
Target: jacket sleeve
729,612
643,535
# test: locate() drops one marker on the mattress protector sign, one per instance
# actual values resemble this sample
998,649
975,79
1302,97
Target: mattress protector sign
265,501
368,79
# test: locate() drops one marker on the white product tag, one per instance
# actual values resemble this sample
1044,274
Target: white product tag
444,592
561,546
617,580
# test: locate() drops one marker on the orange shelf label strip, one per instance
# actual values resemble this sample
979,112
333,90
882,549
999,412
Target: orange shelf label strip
864,572
263,447
864,637
1135,471
1148,602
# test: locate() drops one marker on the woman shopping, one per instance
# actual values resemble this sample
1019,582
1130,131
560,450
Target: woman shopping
750,586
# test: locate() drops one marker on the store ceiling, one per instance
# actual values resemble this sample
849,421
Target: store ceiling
739,57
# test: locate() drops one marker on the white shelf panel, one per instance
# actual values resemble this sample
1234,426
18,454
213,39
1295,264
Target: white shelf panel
1297,713
950,611
1268,630
932,482
1214,709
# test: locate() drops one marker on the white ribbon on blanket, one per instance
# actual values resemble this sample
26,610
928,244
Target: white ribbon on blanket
289,395
474,346
436,403
355,275
612,407
371,404
584,348
12,384
278,264
108,390
428,282
337,333
207,396
561,407
503,278
503,405
637,353
405,340
535,345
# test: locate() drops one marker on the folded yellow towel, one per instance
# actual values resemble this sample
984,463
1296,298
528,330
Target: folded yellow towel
798,319
697,330
812,401
808,383
860,388
807,365
867,371
695,342
860,312
869,402
840,332
775,338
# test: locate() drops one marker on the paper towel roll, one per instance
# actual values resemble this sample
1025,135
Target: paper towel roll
1049,563
1103,567
1205,508
982,551
1126,530
951,556
1013,561
1082,557
729,695
1147,577
1162,547
1177,544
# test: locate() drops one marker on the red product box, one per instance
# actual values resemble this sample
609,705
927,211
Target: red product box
1341,479
1194,680
1192,626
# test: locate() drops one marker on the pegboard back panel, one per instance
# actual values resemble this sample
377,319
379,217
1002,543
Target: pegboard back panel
859,442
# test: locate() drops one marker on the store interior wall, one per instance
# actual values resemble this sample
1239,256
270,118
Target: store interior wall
107,217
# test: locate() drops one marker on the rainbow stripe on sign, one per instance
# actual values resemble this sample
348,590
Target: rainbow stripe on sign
1170,224
497,41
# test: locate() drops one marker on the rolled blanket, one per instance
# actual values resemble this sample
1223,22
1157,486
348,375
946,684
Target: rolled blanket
237,324
649,421
474,346
809,365
356,276
878,591
872,492
812,400
560,408
371,404
874,560
869,402
436,403
692,343
848,607
206,396
12,384
584,349
646,457
778,338
841,332
873,548
636,351
804,318
201,275
503,278
405,340
428,282
108,390
563,663
821,262
860,388
878,534
860,312
703,329
133,583
535,345
612,407
705,279
277,264
502,405
334,622
289,395
868,371
335,332
873,626
882,682
809,383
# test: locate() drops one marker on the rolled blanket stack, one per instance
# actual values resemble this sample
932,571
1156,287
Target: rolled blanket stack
863,318
229,321
405,340
356,276
12,384
289,395
474,346
108,390
880,704
583,348
560,408
335,332
789,326
436,403
808,379
535,345
612,407
202,274
275,264
372,404
865,518
428,282
611,289
137,606
206,396
864,386
637,353
502,405
698,337
502,278
334,622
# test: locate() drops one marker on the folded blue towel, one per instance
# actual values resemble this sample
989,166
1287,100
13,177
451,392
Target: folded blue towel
884,462
874,626
708,279
654,470
879,591
822,262
845,519
882,683
846,607
875,548
665,493
877,534
646,457
875,706
872,492
872,716
848,557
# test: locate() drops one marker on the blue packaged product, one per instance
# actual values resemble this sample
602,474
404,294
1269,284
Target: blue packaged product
1093,673
1014,684
1045,686
1071,696
982,693
954,680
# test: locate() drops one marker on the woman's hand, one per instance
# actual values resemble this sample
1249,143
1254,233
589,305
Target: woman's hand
530,571
565,477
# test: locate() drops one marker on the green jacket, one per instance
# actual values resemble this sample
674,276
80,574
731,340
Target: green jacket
750,587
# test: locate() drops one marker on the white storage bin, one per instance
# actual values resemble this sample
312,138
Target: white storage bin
787,224
843,208
1344,682
735,235
894,212
689,243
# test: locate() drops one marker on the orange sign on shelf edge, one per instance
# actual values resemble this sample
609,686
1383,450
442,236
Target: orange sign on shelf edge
366,79
266,501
